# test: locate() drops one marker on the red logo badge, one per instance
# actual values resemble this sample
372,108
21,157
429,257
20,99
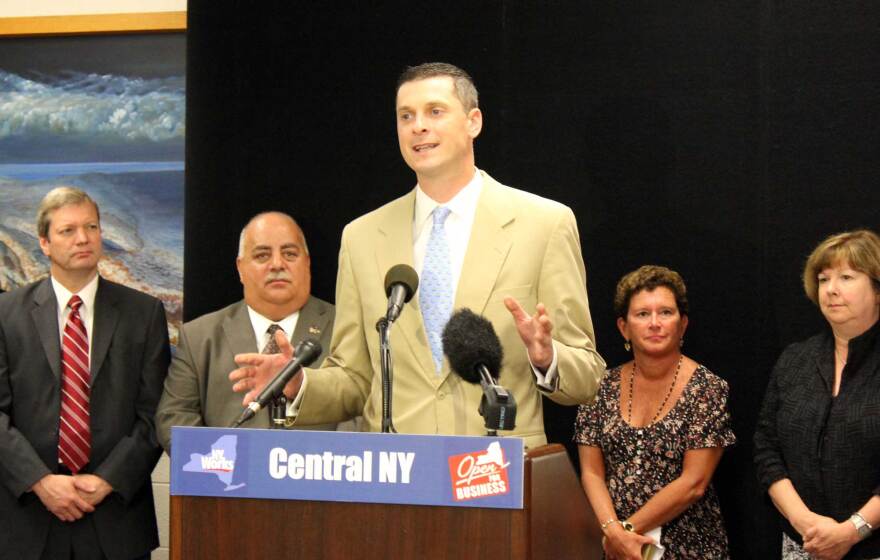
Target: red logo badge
479,474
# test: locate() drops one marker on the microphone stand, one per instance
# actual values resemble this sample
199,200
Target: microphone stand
278,412
486,382
384,328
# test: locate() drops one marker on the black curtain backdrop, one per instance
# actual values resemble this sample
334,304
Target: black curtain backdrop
722,139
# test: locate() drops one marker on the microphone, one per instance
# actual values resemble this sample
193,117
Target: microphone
306,352
401,283
475,354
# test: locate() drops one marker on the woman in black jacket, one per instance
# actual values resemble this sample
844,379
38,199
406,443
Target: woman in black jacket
817,443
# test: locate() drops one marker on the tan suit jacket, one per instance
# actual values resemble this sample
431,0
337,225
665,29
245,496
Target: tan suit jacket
197,389
521,245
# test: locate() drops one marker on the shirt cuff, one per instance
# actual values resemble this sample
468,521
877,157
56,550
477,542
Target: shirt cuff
293,406
548,381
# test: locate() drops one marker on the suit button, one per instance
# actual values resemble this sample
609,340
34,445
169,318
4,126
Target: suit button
441,395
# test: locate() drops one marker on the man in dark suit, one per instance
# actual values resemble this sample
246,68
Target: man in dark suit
82,361
275,271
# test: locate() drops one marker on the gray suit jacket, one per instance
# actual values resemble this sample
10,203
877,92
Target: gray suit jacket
129,360
198,391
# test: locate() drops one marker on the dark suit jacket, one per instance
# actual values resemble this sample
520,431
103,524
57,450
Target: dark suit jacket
130,356
197,390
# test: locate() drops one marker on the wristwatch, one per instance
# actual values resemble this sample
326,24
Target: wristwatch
863,527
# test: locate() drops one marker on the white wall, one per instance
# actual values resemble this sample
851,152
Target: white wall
34,8
160,493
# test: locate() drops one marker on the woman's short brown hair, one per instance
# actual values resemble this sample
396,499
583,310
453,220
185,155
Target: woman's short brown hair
649,277
860,249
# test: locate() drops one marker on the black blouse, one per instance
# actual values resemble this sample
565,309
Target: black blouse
829,447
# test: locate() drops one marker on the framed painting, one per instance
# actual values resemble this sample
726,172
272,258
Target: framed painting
98,103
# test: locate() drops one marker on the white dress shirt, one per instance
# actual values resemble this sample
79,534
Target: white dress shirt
462,209
86,310
261,326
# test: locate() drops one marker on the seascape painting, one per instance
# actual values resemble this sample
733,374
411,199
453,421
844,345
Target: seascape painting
106,115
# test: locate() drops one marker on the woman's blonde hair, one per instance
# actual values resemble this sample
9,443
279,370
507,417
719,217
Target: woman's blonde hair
860,249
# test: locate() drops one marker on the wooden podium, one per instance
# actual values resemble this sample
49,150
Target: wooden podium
556,523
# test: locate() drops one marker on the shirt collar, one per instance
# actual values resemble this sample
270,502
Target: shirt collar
464,203
261,324
862,346
86,294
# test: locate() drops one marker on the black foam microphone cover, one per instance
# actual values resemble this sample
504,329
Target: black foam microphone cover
469,341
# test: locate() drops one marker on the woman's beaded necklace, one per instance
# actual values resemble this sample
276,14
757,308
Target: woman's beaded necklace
629,408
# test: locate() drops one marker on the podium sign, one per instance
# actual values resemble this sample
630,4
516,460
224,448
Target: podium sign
462,471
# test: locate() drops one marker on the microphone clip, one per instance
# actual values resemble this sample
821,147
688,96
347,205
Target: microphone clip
498,405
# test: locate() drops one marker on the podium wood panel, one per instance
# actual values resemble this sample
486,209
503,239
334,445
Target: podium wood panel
555,523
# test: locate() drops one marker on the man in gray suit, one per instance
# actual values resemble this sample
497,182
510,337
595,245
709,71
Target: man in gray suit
82,361
274,268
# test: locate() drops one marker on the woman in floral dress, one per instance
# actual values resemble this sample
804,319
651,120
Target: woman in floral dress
651,440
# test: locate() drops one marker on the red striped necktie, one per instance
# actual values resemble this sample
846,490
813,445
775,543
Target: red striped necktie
75,440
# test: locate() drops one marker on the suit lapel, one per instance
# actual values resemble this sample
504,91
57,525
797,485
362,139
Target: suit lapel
45,317
105,318
311,323
487,249
395,246
239,332
488,246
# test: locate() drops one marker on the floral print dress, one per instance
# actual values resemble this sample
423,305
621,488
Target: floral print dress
639,462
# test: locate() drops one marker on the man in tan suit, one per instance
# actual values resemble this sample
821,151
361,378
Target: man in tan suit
275,270
506,252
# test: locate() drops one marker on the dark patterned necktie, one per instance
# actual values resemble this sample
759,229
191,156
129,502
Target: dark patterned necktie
75,441
272,347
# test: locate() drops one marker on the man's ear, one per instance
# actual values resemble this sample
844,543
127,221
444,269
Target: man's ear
44,245
475,122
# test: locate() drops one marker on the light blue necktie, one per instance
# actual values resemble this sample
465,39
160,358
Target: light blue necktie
435,285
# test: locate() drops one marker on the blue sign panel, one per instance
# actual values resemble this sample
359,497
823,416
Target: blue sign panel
462,471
